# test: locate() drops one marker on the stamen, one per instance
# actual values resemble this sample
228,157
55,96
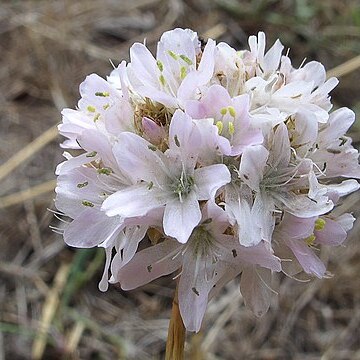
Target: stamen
152,147
160,65
195,291
343,141
333,151
56,212
220,126
320,224
177,142
102,93
177,275
62,220
162,80
103,284
310,240
92,154
231,128
91,108
57,231
295,278
173,55
81,185
232,111
183,72
223,111
56,228
265,283
105,171
186,59
87,203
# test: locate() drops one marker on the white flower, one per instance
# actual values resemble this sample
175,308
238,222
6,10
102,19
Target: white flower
175,75
168,180
227,160
204,260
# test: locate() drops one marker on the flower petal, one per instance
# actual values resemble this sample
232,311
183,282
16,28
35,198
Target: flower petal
307,259
252,165
149,264
209,179
91,228
181,217
255,289
134,201
194,289
333,234
139,160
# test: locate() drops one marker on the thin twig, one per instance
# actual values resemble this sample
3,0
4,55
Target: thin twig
28,151
216,31
27,194
74,337
48,311
345,68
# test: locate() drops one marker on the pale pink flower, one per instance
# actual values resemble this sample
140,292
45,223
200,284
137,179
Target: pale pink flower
229,69
231,116
207,256
167,180
175,75
303,236
231,157
278,91
332,151
278,179
259,63
102,107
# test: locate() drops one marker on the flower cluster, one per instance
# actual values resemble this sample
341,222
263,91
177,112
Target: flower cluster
220,162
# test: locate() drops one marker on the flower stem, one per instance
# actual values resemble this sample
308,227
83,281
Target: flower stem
176,333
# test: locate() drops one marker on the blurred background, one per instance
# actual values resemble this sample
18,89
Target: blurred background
50,306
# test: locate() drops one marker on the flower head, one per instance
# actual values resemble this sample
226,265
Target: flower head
224,162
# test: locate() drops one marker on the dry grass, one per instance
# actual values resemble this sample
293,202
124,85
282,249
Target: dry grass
50,307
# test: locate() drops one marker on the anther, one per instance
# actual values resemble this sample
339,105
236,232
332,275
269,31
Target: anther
152,147
195,291
220,126
102,93
81,185
223,111
177,142
182,72
162,80
92,154
319,224
310,240
231,128
232,111
160,65
173,55
186,59
87,203
104,171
